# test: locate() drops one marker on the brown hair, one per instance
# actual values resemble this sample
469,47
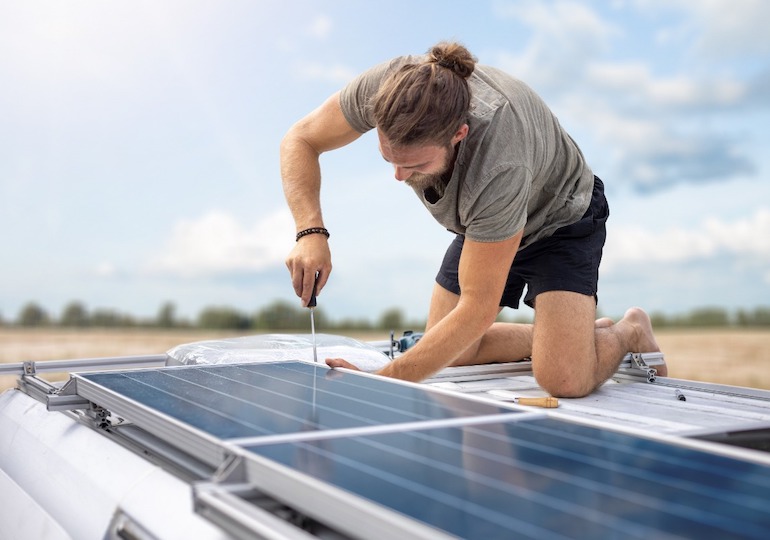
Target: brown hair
427,102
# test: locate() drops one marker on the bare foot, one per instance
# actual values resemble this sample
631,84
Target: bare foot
644,338
604,322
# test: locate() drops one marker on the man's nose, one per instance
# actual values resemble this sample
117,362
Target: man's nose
401,173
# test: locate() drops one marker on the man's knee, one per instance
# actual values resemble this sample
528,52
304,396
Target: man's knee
564,358
564,383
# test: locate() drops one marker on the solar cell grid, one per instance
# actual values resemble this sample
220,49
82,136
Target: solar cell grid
541,478
252,400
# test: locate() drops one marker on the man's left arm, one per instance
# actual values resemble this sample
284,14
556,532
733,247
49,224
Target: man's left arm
483,271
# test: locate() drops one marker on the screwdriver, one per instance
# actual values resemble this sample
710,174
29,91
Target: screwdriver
312,304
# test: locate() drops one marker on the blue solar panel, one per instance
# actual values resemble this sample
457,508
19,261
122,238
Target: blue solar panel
542,478
252,400
469,468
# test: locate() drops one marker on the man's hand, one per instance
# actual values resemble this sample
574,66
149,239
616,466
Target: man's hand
339,362
311,254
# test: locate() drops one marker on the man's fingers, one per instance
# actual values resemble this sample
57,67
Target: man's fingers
340,363
323,276
308,282
303,282
308,257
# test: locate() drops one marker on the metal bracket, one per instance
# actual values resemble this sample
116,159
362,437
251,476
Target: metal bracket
66,398
244,513
232,470
635,364
638,361
35,387
97,416
231,501
56,398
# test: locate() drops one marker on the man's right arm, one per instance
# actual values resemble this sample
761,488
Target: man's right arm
322,130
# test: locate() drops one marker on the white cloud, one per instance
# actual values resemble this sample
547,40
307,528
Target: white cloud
566,36
329,73
321,27
650,153
216,244
748,237
734,27
562,20
633,82
720,27
105,270
655,129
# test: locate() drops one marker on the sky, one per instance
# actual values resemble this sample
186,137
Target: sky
139,142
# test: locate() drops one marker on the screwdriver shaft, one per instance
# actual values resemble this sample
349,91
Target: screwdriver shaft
312,331
312,304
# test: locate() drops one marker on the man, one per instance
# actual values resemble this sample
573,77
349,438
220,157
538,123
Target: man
490,161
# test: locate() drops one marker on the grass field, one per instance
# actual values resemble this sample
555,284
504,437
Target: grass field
738,357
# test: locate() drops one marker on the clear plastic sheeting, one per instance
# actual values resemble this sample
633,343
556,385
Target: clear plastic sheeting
278,347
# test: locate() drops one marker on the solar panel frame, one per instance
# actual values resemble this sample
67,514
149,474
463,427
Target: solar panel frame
198,444
645,481
131,394
341,510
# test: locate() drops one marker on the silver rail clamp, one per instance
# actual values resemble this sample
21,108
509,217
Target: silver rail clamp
640,365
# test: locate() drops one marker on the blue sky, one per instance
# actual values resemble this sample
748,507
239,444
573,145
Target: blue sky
139,147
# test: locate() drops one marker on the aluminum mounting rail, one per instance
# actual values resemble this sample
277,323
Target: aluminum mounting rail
83,364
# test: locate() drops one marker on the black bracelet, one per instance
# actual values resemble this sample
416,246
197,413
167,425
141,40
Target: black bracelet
313,230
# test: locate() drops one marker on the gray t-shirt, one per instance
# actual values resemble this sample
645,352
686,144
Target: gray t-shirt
517,168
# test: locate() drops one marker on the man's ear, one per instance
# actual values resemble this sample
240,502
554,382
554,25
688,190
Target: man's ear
461,133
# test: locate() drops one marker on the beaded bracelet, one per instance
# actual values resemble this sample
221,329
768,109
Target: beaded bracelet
313,230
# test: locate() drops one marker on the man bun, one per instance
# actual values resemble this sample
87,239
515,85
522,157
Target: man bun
425,102
453,57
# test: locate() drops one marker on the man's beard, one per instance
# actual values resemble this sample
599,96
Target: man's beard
425,182
435,180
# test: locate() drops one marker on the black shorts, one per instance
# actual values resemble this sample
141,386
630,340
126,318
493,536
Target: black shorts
568,260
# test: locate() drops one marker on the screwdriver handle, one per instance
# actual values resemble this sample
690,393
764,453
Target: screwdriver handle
546,402
312,302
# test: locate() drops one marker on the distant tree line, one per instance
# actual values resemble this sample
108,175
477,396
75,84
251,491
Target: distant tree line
281,315
715,317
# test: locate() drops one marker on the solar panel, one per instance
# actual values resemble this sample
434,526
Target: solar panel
246,401
378,457
536,478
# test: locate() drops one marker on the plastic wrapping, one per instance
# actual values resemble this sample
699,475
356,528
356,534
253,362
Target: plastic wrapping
277,347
